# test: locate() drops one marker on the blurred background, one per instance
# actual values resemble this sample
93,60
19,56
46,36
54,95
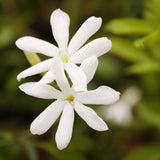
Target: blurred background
131,67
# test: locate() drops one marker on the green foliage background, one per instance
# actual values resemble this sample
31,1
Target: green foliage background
134,28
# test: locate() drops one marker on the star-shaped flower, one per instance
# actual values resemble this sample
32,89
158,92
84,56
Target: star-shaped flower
70,54
67,101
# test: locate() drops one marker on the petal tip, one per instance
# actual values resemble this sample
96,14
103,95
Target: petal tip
18,42
18,78
99,19
109,43
57,12
34,130
96,18
105,128
21,87
60,144
118,95
61,147
96,21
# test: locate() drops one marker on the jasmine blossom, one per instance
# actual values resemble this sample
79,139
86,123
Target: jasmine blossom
70,54
67,100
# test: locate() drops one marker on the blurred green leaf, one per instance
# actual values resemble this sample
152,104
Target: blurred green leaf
108,69
30,151
73,8
151,12
6,139
126,50
148,40
150,111
7,35
145,153
144,67
66,154
129,26
7,154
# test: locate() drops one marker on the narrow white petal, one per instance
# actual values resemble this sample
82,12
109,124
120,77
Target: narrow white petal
35,45
101,95
58,71
77,77
46,119
96,47
60,27
89,67
36,69
90,117
87,29
64,131
47,78
40,91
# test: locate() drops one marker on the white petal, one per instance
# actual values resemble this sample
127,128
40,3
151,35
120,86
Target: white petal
47,78
89,67
77,77
46,119
35,45
58,71
119,113
60,27
96,47
131,95
40,91
36,69
64,131
90,117
87,29
101,95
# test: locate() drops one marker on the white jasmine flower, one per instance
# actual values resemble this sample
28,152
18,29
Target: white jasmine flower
67,100
70,54
121,111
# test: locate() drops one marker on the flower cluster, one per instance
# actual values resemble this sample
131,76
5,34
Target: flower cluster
68,62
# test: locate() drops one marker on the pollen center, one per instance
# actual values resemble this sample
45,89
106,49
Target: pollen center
64,58
69,97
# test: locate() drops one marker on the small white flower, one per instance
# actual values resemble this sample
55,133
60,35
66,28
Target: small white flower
67,101
121,111
70,54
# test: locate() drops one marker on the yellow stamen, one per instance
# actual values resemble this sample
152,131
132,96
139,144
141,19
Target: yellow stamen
69,97
64,58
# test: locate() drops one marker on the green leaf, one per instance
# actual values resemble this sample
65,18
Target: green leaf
129,26
7,154
145,153
144,67
126,50
151,12
30,151
7,35
148,40
70,153
108,69
149,110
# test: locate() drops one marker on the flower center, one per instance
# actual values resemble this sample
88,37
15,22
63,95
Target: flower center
64,58
69,97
